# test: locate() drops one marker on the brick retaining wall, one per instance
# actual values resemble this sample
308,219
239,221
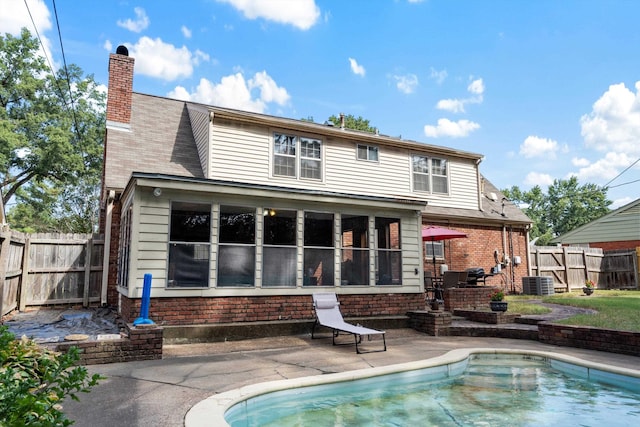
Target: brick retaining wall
142,342
468,298
623,342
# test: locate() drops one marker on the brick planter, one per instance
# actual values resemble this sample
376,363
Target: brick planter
142,342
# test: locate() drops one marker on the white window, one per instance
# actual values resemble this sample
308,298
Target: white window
430,175
367,152
297,157
432,248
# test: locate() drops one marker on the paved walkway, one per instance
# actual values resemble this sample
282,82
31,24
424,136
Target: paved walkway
159,393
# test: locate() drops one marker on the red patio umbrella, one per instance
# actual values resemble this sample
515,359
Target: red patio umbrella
433,233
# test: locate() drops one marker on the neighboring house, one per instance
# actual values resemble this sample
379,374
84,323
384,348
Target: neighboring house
619,229
240,216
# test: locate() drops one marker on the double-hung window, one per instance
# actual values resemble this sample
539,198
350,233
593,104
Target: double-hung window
297,156
367,152
189,245
430,175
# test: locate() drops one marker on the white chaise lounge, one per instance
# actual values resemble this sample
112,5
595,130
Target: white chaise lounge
327,309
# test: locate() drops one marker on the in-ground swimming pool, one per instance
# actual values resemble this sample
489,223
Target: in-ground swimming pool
481,388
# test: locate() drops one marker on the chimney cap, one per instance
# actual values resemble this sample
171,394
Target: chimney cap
122,50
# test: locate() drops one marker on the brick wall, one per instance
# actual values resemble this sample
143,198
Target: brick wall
477,251
139,343
468,298
613,341
212,310
611,246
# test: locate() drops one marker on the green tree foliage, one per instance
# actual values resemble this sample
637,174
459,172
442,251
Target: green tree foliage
351,122
565,207
35,381
50,140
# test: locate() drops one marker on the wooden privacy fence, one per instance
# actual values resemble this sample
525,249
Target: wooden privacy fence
571,266
49,268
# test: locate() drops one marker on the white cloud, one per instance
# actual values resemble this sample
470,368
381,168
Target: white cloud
605,168
14,16
107,45
540,179
269,90
186,32
452,105
438,76
302,14
446,127
475,88
356,68
234,91
614,121
407,83
534,146
156,58
141,22
580,162
618,203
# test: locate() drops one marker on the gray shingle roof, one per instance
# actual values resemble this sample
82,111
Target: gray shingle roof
160,141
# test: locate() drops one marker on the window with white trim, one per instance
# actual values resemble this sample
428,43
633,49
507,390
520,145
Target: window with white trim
430,175
297,156
367,152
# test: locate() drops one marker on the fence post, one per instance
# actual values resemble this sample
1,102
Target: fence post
87,272
25,289
5,240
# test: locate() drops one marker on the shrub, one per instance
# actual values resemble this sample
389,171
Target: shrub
36,380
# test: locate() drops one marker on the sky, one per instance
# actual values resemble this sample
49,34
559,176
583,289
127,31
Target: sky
543,89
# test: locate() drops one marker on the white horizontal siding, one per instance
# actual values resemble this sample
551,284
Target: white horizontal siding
243,153
151,250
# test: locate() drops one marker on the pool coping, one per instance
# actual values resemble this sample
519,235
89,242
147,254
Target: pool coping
212,410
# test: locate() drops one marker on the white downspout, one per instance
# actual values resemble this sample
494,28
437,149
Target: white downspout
107,247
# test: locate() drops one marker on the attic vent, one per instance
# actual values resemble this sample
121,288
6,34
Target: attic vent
492,196
122,50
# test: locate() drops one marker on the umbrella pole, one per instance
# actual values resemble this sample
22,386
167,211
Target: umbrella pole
433,252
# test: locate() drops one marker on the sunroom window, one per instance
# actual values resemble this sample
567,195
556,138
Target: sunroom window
388,251
189,245
280,251
355,250
318,249
237,246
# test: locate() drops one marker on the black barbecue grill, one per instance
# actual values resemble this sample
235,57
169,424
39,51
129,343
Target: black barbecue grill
474,275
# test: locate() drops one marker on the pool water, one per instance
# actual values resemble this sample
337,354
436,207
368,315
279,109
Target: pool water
484,390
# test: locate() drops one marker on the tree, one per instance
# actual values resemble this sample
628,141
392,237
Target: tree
351,122
51,130
565,207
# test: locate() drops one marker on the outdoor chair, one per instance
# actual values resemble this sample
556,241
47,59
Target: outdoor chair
327,309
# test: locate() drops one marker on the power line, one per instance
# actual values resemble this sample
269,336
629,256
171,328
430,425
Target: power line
66,72
617,176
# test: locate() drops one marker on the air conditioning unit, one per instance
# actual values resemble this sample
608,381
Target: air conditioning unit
537,285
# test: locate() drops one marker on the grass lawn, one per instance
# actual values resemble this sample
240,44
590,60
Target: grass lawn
619,310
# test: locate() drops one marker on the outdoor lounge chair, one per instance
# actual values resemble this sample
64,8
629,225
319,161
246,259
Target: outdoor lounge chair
327,309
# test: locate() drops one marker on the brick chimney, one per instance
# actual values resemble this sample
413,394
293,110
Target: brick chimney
120,88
